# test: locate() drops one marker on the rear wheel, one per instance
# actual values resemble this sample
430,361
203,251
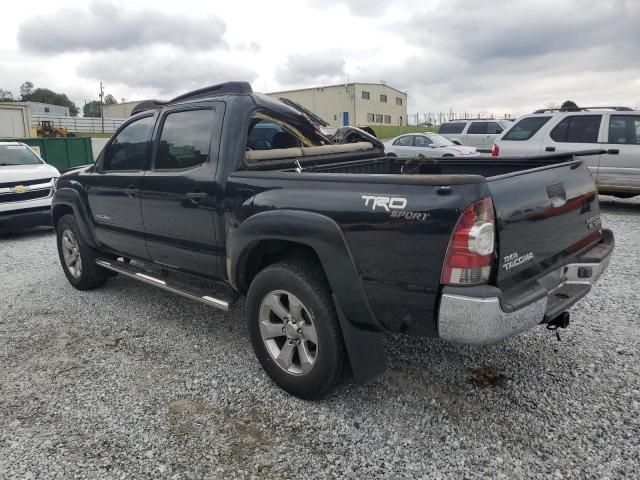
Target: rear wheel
294,328
77,258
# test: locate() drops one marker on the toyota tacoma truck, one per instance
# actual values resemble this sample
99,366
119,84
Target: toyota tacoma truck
223,192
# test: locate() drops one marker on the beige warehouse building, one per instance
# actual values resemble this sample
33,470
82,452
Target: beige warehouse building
352,103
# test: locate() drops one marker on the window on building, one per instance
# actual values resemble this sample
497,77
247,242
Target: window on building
398,100
128,151
185,140
378,118
383,98
370,117
387,119
46,109
577,129
624,129
365,95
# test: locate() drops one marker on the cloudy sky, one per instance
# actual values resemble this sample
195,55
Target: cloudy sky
508,56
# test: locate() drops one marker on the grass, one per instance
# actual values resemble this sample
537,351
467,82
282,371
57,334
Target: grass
389,131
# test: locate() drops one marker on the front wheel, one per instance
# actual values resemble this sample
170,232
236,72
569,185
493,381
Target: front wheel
294,328
77,258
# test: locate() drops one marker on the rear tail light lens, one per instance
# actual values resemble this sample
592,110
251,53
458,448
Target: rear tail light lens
472,246
495,151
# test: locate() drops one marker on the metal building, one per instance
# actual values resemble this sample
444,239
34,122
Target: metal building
352,103
15,120
38,108
120,110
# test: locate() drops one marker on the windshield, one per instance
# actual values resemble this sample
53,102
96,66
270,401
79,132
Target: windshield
441,141
17,155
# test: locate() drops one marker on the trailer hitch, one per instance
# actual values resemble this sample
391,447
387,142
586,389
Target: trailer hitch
561,321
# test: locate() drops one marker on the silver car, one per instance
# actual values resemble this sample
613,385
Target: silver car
428,145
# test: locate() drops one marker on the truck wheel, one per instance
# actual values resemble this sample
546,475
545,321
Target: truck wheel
294,328
77,258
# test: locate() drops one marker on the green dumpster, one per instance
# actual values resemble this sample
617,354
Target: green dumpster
62,153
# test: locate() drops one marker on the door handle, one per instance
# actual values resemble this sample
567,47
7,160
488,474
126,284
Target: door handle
613,151
131,191
196,195
550,149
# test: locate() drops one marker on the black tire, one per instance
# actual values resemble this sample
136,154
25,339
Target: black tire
90,275
306,281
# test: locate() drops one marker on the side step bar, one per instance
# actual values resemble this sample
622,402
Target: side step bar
136,273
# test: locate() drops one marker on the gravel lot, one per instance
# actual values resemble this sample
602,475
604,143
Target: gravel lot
131,382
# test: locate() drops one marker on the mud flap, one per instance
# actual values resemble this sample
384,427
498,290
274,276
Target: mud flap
365,349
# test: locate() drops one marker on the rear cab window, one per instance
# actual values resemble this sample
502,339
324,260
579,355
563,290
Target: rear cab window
525,128
452,127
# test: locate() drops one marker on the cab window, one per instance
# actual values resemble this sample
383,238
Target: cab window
268,135
525,128
128,150
421,141
577,129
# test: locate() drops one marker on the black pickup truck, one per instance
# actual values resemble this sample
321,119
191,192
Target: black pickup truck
223,192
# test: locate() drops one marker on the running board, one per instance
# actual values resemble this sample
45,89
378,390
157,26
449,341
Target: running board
183,290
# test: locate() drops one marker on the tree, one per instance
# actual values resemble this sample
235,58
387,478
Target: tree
110,99
92,109
6,96
26,89
569,105
44,95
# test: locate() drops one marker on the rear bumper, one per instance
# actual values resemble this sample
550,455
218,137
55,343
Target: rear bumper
26,218
483,315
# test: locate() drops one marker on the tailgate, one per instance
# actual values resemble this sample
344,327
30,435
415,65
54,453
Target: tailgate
544,217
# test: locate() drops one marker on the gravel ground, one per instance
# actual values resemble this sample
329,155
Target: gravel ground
131,382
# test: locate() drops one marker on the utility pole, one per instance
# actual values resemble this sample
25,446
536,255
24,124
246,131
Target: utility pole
102,105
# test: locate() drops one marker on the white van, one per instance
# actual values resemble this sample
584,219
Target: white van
614,129
478,133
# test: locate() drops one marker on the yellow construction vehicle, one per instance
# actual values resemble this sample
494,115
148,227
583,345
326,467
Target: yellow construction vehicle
46,129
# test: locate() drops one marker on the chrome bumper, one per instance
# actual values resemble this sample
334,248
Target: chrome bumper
482,320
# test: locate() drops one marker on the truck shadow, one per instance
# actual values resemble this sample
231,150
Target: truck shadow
616,205
30,234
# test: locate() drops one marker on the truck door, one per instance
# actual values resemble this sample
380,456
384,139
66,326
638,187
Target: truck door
113,189
620,172
573,134
179,194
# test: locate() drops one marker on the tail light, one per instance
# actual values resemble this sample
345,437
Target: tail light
471,249
495,151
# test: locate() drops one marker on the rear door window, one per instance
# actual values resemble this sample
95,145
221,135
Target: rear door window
421,141
405,141
525,128
185,140
577,129
452,127
624,129
478,128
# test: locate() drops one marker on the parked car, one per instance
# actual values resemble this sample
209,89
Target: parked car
27,184
479,133
427,145
327,241
614,129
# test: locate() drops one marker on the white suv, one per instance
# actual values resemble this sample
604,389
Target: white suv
615,129
479,133
27,184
